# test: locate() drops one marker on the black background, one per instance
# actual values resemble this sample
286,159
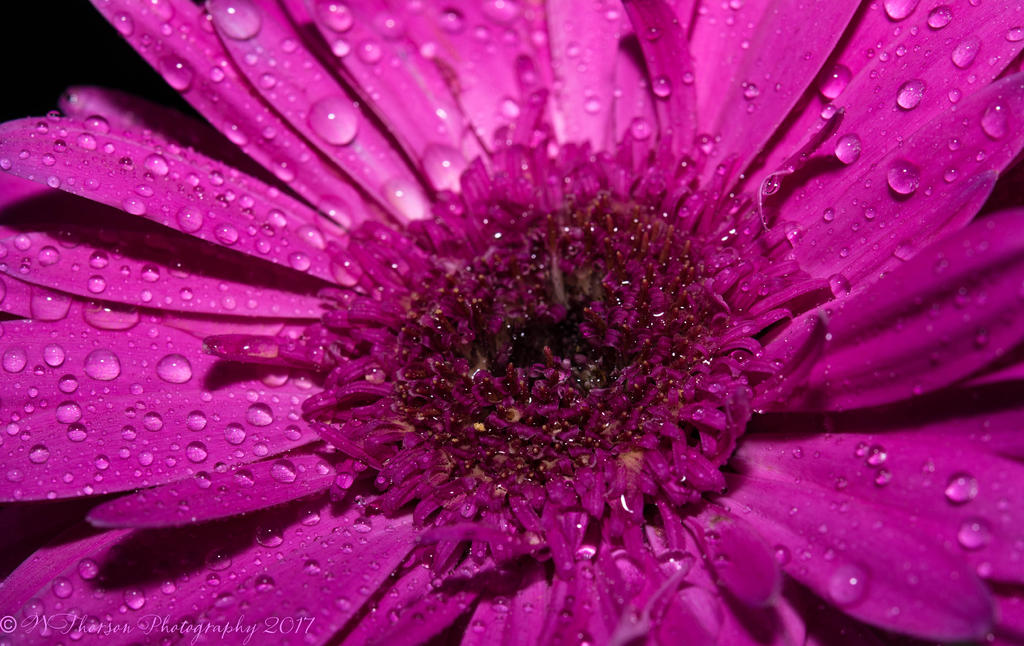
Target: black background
46,47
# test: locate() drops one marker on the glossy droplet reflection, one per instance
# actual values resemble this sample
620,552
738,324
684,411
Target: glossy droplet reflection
102,365
334,119
903,177
961,488
910,94
848,149
174,369
848,584
236,19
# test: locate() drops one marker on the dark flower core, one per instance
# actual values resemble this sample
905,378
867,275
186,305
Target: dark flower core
564,338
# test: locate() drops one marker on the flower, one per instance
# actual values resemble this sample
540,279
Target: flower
544,324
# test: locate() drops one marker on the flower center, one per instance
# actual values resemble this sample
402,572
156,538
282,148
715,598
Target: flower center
564,337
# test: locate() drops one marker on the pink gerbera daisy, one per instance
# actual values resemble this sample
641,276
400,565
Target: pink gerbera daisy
659,322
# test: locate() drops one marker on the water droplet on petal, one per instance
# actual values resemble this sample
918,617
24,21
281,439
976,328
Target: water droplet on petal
174,369
237,19
134,598
102,365
661,86
961,488
176,72
899,9
62,587
334,119
965,53
283,471
196,452
406,198
835,82
909,94
1015,35
940,16
903,177
53,355
88,569
848,148
14,359
848,584
993,120
974,534
336,15
190,219
443,165
38,454
156,164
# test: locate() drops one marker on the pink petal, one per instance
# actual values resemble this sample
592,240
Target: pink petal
218,495
943,477
878,56
262,42
744,565
664,45
494,55
742,99
875,562
199,578
217,92
943,315
584,45
175,187
858,225
103,253
131,404
126,113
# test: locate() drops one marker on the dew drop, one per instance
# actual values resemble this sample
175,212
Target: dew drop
839,285
236,19
993,120
234,433
174,369
38,454
848,148
88,569
835,81
102,365
899,9
903,177
283,471
195,421
196,452
46,306
190,219
176,72
1015,35
443,166
134,598
334,119
974,534
909,94
156,164
965,53
940,16
226,233
848,584
661,86
259,415
961,488
406,198
14,359
269,536
68,412
62,587
336,15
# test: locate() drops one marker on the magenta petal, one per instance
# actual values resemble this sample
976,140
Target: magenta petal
126,113
871,218
742,562
943,315
918,47
131,403
584,47
781,46
664,44
875,562
205,574
106,254
221,96
175,187
299,88
218,495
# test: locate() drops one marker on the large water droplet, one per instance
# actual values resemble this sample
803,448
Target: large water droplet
974,534
899,9
196,452
237,19
961,488
190,219
68,412
47,306
835,82
259,415
993,120
176,72
406,198
848,584
38,454
940,16
62,587
964,53
443,165
848,148
910,93
102,365
283,471
88,569
334,119
134,598
14,359
336,15
174,369
903,177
